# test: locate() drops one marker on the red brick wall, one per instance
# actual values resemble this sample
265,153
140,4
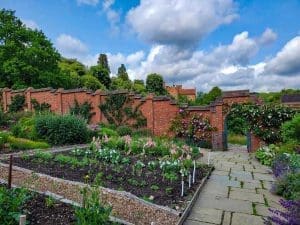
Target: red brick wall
158,111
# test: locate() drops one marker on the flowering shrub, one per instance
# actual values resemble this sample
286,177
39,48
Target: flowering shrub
291,216
285,163
195,127
265,121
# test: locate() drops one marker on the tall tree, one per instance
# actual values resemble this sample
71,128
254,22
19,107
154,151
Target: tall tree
27,57
72,66
103,62
155,84
102,74
206,98
122,73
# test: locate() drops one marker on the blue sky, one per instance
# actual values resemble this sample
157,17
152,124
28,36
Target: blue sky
233,44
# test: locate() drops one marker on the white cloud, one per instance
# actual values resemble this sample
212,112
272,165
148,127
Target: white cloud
226,65
268,37
70,46
88,2
30,24
287,60
180,22
112,15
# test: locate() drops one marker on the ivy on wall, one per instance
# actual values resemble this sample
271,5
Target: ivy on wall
40,107
17,103
83,110
119,109
263,120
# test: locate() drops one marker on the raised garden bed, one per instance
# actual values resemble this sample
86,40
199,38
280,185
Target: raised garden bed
152,179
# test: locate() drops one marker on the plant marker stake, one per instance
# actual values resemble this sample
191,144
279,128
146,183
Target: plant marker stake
10,171
182,185
190,180
194,171
208,158
22,220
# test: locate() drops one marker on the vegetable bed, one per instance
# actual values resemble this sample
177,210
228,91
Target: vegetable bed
157,180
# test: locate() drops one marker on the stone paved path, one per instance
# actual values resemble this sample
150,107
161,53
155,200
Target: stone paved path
237,192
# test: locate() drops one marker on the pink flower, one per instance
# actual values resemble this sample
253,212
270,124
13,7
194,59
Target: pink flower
127,139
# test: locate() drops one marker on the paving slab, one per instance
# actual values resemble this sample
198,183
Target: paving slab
192,222
246,196
227,218
206,215
262,210
263,177
226,204
244,219
243,190
252,185
241,175
220,172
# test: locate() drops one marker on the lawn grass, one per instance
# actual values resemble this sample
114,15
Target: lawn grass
237,139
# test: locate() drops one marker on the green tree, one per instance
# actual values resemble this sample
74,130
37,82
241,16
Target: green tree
103,62
155,84
139,86
118,83
102,74
122,73
207,98
27,57
72,66
91,82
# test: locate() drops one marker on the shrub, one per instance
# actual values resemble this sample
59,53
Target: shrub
25,128
142,133
288,186
24,144
90,82
59,130
108,132
266,154
124,130
237,139
3,118
11,202
17,103
92,212
40,107
3,139
285,163
291,130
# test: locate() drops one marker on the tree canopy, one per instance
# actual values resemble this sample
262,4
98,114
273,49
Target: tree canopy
155,84
122,73
27,57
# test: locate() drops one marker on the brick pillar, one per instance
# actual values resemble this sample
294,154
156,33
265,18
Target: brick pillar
59,101
5,92
96,107
217,121
28,98
255,143
149,113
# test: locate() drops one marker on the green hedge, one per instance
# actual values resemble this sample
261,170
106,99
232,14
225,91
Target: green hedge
25,128
60,130
291,130
24,144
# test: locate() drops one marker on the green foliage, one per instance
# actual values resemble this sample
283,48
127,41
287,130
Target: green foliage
25,144
139,86
291,130
50,202
11,202
142,133
289,186
155,84
91,82
237,139
207,98
119,110
25,128
60,130
237,124
103,62
108,132
3,139
92,211
27,57
120,84
275,97
101,74
17,103
124,130
266,154
264,121
195,128
3,118
40,107
83,110
70,66
122,73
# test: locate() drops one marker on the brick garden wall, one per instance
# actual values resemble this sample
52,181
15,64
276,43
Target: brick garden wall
159,111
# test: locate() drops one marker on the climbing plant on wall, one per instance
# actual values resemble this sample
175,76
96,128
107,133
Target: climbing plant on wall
193,127
263,120
83,110
119,109
40,107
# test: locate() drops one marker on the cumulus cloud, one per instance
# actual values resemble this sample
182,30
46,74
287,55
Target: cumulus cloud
30,24
70,46
179,22
287,60
112,15
268,37
226,65
88,2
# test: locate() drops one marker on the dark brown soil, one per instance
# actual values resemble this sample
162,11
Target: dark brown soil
38,213
120,177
